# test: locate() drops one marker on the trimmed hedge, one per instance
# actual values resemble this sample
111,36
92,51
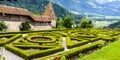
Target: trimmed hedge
81,49
76,50
70,44
19,43
34,46
109,39
46,52
95,39
17,51
10,39
28,55
33,31
76,39
52,39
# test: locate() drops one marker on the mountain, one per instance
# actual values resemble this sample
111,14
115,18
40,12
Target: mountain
115,25
103,7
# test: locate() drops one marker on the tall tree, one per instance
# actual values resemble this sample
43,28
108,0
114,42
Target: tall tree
68,21
7,0
60,23
85,23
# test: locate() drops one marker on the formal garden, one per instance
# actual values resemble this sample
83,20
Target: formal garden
49,44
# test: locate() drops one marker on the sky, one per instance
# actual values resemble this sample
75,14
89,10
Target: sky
105,1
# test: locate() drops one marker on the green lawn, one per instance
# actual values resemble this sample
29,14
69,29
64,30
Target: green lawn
110,52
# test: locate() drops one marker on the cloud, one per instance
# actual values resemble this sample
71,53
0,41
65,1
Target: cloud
105,1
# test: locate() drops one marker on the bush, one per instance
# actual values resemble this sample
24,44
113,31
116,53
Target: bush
2,26
25,26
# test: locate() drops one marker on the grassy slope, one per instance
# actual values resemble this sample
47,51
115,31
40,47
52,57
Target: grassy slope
110,52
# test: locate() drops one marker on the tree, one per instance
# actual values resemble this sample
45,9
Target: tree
2,26
68,21
85,23
7,0
60,23
25,26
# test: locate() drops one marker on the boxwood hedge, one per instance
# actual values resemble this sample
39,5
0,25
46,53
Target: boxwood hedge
9,40
51,41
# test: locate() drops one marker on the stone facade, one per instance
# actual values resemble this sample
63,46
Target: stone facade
15,16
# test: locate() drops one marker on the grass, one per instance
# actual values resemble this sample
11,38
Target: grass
110,52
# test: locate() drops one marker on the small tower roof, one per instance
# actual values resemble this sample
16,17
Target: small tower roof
49,11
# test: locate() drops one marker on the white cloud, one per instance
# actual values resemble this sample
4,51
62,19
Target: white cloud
75,12
105,1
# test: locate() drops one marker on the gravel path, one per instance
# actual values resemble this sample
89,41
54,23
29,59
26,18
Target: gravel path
10,56
64,43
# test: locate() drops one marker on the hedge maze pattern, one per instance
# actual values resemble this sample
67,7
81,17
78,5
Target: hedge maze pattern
41,44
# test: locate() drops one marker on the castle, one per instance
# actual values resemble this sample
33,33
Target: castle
13,17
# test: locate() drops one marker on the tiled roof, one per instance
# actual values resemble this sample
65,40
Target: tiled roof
20,11
13,10
49,11
41,18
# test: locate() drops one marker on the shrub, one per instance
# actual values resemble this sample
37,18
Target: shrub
2,26
25,26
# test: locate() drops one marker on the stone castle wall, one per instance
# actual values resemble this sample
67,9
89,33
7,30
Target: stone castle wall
14,21
14,26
